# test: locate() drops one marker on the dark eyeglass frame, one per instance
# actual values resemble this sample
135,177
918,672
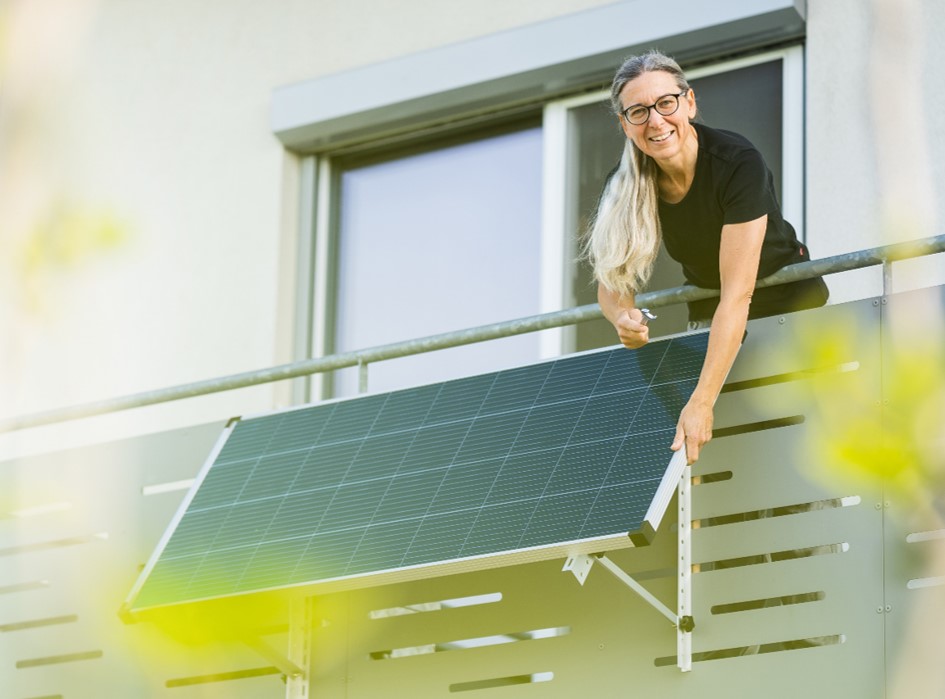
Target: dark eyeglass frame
675,96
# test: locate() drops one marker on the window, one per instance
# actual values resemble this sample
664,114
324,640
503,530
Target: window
485,228
432,241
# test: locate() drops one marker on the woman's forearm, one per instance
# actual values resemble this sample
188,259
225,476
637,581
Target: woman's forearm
612,305
725,339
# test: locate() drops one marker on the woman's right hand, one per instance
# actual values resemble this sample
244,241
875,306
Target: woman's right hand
630,329
626,318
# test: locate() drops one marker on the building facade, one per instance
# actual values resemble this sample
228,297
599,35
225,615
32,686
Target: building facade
203,190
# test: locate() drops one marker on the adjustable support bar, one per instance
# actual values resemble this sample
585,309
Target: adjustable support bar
580,566
684,596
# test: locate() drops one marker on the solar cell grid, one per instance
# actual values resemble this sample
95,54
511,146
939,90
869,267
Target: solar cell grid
555,452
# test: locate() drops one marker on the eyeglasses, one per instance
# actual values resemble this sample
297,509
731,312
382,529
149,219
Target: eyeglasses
638,114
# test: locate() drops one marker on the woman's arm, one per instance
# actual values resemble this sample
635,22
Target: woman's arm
739,256
624,316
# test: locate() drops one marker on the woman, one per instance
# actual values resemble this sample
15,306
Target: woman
709,195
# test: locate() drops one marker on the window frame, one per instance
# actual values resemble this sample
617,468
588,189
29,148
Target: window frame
559,241
319,199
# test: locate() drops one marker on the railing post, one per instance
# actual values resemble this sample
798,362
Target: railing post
887,276
362,375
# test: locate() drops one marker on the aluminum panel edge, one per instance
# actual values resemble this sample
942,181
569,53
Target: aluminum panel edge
127,610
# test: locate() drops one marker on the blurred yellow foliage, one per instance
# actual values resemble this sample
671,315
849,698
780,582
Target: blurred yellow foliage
227,619
886,429
66,236
65,239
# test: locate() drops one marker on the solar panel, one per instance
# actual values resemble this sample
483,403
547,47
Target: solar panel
521,464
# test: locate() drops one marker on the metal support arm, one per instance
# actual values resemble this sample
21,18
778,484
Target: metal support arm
580,566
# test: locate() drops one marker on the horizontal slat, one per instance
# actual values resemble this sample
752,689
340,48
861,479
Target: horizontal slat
759,462
773,347
807,529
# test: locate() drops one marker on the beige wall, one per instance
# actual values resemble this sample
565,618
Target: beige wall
858,163
156,115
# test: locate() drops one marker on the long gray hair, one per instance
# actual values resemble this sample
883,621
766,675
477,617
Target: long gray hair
624,236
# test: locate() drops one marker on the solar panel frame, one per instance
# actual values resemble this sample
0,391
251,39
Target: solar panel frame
495,418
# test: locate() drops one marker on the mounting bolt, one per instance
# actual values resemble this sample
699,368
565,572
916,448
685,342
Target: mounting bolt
888,608
686,624
875,302
879,610
781,320
878,506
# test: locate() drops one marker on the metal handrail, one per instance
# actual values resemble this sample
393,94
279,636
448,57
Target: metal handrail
883,255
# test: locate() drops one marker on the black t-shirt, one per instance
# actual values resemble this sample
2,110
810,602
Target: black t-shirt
732,184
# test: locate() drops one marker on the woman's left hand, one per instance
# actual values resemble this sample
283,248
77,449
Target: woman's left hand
694,428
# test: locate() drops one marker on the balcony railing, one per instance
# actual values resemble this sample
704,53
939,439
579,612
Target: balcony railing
884,255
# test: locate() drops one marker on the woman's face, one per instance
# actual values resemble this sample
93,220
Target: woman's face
661,137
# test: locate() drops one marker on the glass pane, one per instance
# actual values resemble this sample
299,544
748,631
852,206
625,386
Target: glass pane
747,100
439,241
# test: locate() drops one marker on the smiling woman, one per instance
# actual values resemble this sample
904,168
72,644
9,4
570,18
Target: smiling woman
709,195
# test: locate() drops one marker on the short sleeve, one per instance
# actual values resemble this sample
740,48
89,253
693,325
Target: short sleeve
747,193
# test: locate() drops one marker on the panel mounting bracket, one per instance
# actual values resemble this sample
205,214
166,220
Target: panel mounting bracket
580,566
293,663
278,659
